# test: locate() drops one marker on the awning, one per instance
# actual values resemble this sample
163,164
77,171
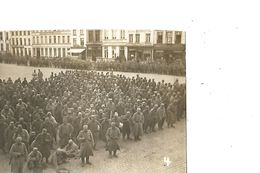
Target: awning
76,50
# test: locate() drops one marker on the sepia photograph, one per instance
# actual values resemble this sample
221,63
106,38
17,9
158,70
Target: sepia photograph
93,100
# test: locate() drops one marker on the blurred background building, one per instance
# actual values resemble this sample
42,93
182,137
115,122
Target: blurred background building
101,45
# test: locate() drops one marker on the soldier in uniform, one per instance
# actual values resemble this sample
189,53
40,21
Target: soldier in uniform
35,160
65,131
138,120
113,135
86,141
18,153
94,127
44,142
162,115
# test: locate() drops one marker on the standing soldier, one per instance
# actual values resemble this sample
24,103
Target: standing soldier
23,133
171,114
40,75
126,125
146,118
94,127
65,131
34,161
86,141
44,142
9,133
18,157
112,135
154,117
138,120
161,114
105,124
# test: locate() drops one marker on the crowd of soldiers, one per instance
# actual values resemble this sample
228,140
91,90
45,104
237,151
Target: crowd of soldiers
67,114
175,68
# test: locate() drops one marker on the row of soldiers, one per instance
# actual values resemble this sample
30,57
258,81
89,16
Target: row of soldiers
81,107
177,67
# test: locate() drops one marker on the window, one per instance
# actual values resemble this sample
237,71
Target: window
24,33
97,35
46,51
63,39
58,39
2,47
74,41
82,41
6,36
178,38
81,32
46,42
63,52
28,32
106,52
49,39
7,47
147,38
12,33
137,38
16,32
59,52
122,34
29,52
113,34
68,39
105,34
29,41
13,41
25,41
37,39
21,33
169,37
90,36
54,39
74,32
17,41
21,51
113,52
1,35
41,41
33,40
159,37
34,52
21,41
55,52
50,52
131,38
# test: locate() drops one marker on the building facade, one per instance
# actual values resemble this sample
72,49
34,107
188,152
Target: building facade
94,44
107,45
140,45
21,43
114,44
168,45
4,42
51,43
78,43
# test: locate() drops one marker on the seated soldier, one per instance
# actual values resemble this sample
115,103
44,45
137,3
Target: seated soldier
72,149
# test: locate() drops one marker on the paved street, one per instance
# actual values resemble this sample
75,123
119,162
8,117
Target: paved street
14,71
146,156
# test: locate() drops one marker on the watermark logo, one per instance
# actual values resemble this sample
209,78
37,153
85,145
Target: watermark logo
167,161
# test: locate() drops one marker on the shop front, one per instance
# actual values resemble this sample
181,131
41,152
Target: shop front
140,53
94,52
169,53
